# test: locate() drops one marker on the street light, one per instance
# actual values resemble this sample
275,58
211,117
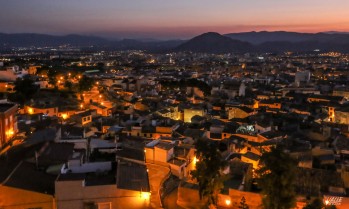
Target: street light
145,195
227,202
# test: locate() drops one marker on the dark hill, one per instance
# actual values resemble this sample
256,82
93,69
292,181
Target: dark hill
214,43
40,40
293,37
7,41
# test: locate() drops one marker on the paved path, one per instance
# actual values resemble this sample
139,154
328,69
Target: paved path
171,200
156,174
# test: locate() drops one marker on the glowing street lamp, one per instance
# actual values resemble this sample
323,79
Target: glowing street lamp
145,195
327,202
30,110
64,116
227,202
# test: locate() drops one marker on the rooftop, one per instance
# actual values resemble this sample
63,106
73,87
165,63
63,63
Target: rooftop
26,176
132,176
6,106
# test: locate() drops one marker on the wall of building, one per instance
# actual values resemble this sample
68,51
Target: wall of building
149,155
8,125
342,117
72,194
189,198
234,112
162,155
189,113
13,198
53,111
253,200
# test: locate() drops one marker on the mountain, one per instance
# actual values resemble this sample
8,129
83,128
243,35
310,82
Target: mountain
212,42
336,32
282,36
7,41
275,42
265,36
41,40
261,42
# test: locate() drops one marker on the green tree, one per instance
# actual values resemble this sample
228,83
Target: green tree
243,204
208,170
276,179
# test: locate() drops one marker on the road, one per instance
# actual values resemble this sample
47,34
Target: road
156,174
171,201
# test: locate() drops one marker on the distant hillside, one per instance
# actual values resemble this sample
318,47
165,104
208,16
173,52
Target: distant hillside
275,42
40,40
7,41
282,36
214,43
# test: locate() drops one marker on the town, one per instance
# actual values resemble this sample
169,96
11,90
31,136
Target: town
88,129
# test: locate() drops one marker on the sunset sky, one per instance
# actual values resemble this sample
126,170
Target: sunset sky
171,19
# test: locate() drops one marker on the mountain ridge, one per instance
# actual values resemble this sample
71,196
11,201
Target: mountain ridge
210,42
222,44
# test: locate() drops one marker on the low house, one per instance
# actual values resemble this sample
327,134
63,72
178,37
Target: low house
50,110
127,186
341,115
101,109
8,122
263,126
28,187
250,157
191,112
238,111
180,158
82,118
270,104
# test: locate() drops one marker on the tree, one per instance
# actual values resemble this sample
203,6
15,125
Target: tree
315,204
208,170
25,89
276,179
243,204
68,85
85,83
52,77
318,204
